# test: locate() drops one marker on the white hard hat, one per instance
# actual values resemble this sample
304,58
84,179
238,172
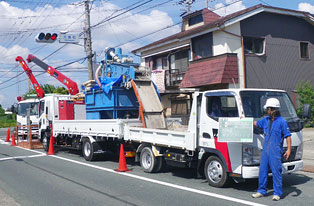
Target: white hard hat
272,102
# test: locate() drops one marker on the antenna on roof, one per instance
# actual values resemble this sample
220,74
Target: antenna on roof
206,3
187,4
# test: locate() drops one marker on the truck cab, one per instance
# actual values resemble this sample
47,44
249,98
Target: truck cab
21,116
48,113
241,160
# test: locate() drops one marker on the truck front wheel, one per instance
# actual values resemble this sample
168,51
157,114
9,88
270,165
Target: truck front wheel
88,150
215,172
45,142
147,160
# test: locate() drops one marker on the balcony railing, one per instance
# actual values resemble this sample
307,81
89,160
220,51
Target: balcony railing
173,77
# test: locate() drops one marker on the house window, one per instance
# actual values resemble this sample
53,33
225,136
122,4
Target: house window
304,50
160,63
254,45
195,20
181,61
179,107
164,63
202,46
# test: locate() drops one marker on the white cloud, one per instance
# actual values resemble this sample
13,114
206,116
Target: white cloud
19,26
11,53
230,6
306,7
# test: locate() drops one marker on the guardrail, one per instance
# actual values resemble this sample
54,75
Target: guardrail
26,139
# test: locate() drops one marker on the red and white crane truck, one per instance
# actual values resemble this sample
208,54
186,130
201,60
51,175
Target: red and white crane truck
33,103
197,146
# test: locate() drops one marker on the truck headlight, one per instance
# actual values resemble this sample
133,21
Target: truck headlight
251,155
299,152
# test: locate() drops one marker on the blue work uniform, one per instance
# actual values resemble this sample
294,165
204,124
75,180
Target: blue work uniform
272,152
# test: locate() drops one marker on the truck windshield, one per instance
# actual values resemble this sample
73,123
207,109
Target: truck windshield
41,107
254,101
23,106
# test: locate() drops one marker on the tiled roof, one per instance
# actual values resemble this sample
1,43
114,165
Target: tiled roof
212,21
208,15
212,70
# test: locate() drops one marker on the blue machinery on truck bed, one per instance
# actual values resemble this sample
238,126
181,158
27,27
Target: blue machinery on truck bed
123,91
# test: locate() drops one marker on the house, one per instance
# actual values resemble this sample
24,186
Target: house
258,47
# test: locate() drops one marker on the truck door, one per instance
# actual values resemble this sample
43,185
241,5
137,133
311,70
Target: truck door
214,106
42,115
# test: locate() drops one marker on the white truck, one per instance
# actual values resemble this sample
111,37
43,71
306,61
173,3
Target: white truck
197,146
21,116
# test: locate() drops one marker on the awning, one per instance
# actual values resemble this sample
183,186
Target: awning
213,70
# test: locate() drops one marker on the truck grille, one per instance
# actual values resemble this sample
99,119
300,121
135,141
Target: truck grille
292,155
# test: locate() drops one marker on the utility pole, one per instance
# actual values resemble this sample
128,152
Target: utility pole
88,41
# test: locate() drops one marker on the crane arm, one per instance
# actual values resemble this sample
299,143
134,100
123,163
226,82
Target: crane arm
39,91
71,85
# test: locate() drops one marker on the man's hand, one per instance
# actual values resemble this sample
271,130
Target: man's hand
287,154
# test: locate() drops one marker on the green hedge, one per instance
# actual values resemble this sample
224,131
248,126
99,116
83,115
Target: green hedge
305,92
7,120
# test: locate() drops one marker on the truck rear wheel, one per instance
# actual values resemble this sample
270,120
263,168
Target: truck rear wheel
148,161
215,172
88,150
45,142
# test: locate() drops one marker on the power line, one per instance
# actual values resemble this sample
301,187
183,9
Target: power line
43,72
263,2
112,17
169,26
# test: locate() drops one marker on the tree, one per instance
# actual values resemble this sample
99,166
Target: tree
305,93
61,90
48,89
2,111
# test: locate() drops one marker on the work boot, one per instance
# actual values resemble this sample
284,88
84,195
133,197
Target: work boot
257,195
276,198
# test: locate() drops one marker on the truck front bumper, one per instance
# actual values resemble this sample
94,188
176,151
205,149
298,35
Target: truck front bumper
287,167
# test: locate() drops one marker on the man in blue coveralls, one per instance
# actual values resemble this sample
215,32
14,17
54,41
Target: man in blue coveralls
275,131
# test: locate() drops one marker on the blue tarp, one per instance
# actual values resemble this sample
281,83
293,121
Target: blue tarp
107,83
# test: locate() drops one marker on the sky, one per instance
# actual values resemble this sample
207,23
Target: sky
130,22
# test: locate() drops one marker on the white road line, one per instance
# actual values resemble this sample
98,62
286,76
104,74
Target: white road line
4,142
21,157
245,202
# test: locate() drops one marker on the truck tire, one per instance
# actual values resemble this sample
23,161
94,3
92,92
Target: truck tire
45,142
159,165
215,172
88,150
147,160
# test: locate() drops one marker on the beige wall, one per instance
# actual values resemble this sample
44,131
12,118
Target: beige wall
227,43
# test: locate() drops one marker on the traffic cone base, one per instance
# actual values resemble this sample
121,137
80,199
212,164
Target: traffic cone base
8,136
122,161
13,140
51,151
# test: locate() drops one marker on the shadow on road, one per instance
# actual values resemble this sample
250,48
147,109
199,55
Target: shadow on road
290,183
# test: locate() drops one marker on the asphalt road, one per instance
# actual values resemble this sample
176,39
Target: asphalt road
32,178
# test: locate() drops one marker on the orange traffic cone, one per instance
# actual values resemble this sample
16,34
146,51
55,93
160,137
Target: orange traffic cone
51,151
13,140
8,136
122,161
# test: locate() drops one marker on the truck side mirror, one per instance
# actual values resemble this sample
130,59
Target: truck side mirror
307,111
14,108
